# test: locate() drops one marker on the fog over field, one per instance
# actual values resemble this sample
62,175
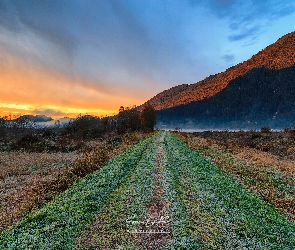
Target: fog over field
61,121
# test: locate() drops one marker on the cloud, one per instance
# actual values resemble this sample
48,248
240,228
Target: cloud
248,19
46,19
244,12
104,42
229,58
104,54
49,112
31,84
250,33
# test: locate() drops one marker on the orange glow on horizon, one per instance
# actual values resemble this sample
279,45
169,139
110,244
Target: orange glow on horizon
14,110
26,88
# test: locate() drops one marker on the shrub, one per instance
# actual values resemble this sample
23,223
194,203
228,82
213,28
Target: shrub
84,127
91,160
29,142
256,135
290,133
265,129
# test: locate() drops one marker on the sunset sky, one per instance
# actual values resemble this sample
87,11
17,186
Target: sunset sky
65,57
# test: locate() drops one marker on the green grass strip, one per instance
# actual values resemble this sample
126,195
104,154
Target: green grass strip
212,211
58,223
125,209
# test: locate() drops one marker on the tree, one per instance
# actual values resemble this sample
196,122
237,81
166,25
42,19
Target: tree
127,119
148,117
84,127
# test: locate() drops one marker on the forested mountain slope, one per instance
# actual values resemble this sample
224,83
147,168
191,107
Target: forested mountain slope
261,97
277,56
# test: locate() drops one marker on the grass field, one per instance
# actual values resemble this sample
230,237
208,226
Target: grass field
271,175
30,179
163,194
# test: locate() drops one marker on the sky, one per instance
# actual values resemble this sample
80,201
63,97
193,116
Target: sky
62,58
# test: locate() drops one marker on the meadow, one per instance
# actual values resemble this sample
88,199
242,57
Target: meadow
30,179
162,191
262,162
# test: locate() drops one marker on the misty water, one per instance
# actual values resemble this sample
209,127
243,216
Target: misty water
191,130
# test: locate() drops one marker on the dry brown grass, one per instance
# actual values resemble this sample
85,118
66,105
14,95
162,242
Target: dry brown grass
268,175
28,180
260,158
22,163
280,144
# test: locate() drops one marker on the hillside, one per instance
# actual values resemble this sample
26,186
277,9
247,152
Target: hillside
277,56
34,118
261,97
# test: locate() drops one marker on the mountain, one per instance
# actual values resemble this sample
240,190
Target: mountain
257,92
279,55
34,118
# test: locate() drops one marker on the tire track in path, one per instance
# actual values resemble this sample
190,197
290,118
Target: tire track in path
154,231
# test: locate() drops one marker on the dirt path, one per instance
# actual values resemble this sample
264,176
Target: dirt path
154,231
126,204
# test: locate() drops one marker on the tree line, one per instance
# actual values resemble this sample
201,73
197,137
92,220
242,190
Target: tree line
23,133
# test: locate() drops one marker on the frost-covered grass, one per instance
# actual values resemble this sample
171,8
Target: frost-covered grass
212,211
271,177
208,208
58,223
28,180
124,210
